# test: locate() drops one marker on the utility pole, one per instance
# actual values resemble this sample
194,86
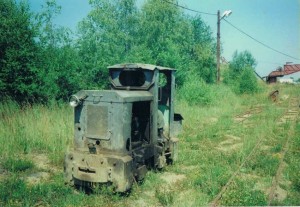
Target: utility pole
218,48
225,14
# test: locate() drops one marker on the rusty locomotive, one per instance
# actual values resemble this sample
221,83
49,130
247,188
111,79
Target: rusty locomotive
122,133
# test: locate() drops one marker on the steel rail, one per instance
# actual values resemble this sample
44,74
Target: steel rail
223,190
294,105
244,116
215,201
237,171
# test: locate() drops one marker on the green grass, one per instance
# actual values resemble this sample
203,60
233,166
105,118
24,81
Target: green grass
16,192
291,172
211,148
35,128
242,193
17,165
164,195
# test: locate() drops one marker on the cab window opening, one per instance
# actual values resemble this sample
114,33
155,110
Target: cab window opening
132,78
140,124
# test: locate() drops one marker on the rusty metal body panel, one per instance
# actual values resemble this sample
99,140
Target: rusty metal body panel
101,168
116,138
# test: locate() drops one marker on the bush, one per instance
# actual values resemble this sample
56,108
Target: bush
240,73
196,91
248,82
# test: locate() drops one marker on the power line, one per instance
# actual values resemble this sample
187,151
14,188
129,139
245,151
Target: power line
259,41
267,62
200,12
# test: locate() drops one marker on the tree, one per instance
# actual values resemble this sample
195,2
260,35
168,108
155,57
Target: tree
50,64
59,61
241,61
248,81
19,72
159,31
38,60
203,50
107,36
115,31
240,75
177,40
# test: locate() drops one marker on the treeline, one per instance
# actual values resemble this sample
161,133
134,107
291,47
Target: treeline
41,61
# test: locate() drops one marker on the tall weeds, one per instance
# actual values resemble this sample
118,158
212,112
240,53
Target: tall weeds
35,128
48,129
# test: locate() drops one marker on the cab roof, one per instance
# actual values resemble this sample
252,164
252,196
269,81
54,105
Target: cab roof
138,66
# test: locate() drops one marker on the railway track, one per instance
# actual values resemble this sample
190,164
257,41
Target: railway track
249,113
239,119
289,116
234,175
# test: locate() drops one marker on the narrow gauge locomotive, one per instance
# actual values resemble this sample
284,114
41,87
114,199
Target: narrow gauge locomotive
123,132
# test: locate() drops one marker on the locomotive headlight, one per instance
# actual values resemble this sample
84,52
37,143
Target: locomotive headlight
74,101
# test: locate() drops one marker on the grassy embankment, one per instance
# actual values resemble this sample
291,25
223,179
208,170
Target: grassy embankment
212,147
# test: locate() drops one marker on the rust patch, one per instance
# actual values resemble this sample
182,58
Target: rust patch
273,96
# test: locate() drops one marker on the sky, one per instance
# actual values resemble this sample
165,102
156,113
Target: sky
276,23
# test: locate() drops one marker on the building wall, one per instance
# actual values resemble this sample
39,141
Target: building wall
286,80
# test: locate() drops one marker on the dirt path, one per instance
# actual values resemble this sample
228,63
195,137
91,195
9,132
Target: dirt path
44,169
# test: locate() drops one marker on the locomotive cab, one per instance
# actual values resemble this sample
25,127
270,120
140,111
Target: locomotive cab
121,133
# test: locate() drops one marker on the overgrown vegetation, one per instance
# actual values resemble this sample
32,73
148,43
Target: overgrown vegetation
196,91
293,169
41,61
36,128
248,196
17,165
240,76
211,149
15,192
